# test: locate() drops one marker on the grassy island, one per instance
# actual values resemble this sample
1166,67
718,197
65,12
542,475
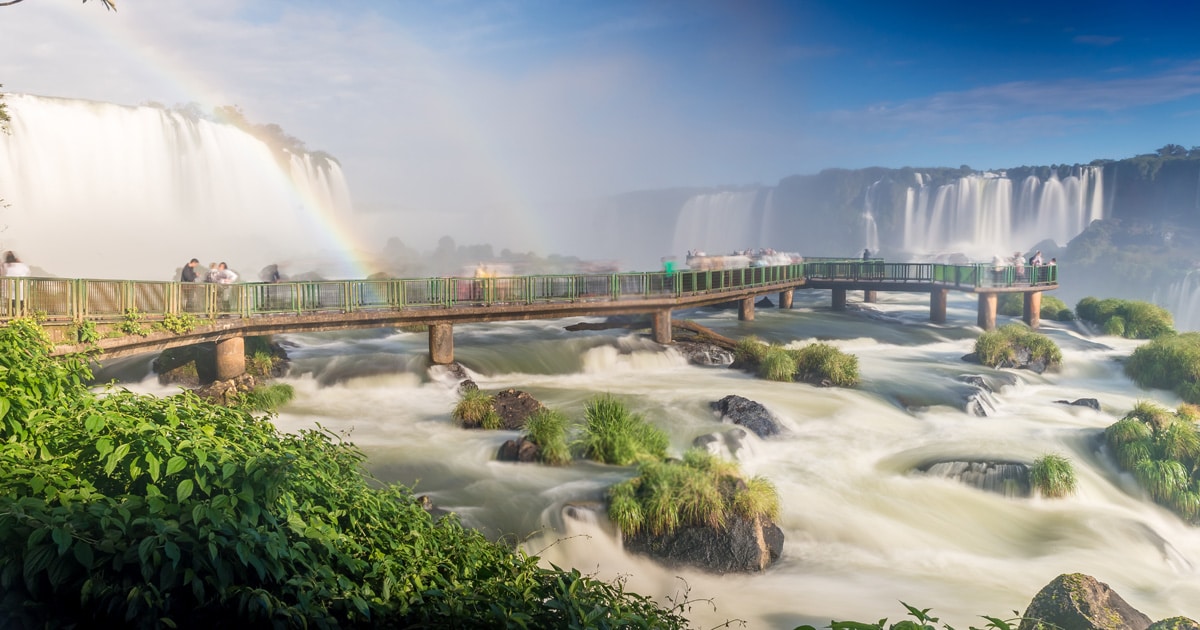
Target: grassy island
817,363
1162,450
1131,319
1015,344
124,510
1169,362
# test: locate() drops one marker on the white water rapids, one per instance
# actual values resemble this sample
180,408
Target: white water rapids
862,531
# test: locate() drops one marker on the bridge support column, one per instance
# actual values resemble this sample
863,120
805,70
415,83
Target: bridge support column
870,297
441,343
937,305
230,358
987,311
1033,309
746,309
785,298
839,299
661,326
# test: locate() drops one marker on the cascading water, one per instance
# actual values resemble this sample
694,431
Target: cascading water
134,192
865,527
719,222
979,215
1182,298
870,227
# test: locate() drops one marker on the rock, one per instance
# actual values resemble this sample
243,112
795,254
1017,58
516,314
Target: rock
1175,623
224,392
427,505
1010,479
1081,602
728,443
467,385
764,302
977,380
749,414
700,353
515,407
519,450
743,546
1082,402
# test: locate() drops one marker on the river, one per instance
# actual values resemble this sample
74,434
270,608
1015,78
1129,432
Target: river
863,532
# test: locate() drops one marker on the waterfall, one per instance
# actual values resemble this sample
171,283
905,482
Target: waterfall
1183,300
870,228
719,222
105,190
979,214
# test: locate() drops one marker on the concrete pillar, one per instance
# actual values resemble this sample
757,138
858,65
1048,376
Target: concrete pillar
230,358
441,343
937,305
987,311
1033,308
839,299
746,309
661,326
785,298
870,297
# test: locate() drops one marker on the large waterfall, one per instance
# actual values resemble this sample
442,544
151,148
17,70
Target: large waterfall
95,189
989,213
724,221
1182,298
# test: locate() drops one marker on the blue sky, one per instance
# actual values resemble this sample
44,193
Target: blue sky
447,108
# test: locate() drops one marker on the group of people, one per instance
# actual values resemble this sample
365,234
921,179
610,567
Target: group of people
218,273
1017,262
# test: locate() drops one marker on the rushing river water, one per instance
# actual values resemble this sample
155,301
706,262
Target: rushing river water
863,531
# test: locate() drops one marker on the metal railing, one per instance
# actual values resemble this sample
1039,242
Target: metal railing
58,300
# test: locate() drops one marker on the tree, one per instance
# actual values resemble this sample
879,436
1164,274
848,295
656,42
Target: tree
1172,150
108,4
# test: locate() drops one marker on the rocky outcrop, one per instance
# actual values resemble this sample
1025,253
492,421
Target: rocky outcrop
742,546
1175,623
1081,602
514,407
729,443
749,414
225,392
520,450
1022,360
1010,479
701,353
1081,402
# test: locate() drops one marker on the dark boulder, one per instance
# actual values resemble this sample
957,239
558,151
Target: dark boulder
700,353
764,302
514,407
742,546
467,385
1081,602
1081,402
519,450
749,414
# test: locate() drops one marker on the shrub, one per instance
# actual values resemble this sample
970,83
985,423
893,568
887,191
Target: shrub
613,435
125,510
1052,476
548,429
821,362
994,347
1126,318
777,364
267,397
1168,362
131,324
1162,450
476,411
699,490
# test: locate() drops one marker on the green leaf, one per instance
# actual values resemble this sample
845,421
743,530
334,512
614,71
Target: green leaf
93,423
4,407
175,464
104,446
184,490
83,554
62,538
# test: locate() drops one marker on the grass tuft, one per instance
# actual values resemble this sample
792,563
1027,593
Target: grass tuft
476,410
1053,476
267,398
548,429
613,435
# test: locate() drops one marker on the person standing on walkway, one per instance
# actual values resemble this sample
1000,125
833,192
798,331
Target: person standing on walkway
189,271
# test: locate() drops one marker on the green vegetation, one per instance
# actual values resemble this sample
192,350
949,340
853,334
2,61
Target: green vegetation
180,324
1162,450
613,435
1169,362
1005,344
1053,476
83,332
1131,319
1013,304
132,324
267,397
700,490
125,510
548,429
476,411
924,621
818,363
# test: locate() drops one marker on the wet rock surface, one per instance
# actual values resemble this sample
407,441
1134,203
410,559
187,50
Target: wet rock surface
748,413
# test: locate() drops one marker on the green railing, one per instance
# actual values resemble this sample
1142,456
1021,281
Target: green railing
59,300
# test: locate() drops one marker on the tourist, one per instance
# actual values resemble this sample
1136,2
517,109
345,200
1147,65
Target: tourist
1019,262
866,254
225,275
1036,261
189,271
211,276
13,267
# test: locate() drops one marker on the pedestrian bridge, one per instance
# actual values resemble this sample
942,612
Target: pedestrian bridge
132,317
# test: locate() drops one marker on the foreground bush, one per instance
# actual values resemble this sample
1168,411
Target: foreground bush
1169,362
700,490
122,510
1162,450
613,435
1131,319
1013,344
1013,304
